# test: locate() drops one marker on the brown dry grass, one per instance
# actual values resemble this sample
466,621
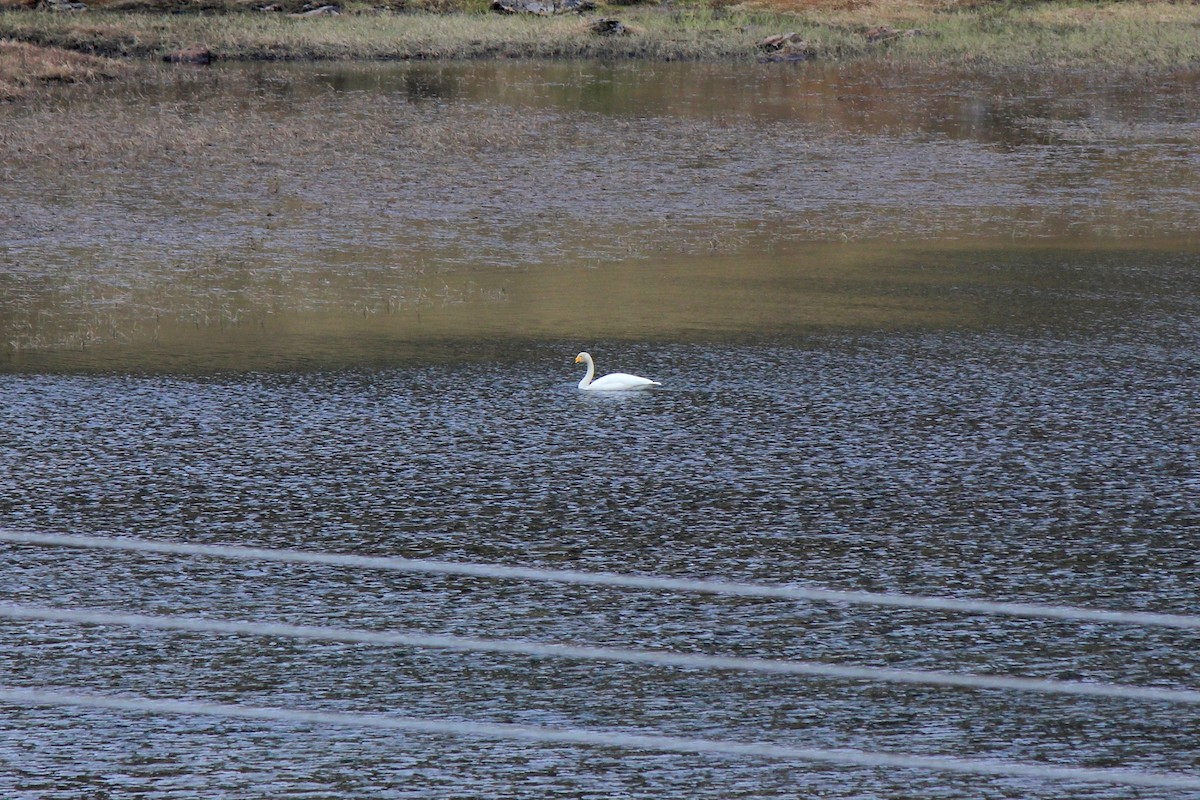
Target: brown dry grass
25,67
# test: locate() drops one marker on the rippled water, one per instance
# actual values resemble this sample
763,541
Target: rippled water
957,419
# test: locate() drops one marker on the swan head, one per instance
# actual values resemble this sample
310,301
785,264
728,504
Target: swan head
582,358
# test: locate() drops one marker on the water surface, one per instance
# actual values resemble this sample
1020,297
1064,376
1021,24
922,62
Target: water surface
946,342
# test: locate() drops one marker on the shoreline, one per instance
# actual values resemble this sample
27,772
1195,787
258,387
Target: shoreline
41,49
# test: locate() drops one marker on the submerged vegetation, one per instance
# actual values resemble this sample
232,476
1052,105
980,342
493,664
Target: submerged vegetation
1141,34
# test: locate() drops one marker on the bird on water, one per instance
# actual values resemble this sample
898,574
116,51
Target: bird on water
614,382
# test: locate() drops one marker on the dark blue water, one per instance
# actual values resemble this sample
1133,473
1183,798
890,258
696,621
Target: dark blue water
1060,466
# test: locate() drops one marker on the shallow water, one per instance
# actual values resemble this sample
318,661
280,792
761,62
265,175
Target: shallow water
943,412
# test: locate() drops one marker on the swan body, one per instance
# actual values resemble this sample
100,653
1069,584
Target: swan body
615,382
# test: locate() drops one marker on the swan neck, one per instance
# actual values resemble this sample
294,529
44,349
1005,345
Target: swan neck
591,373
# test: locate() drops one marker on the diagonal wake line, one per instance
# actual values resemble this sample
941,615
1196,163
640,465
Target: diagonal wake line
651,583
586,737
577,652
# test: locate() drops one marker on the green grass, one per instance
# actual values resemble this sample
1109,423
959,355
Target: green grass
383,36
1098,35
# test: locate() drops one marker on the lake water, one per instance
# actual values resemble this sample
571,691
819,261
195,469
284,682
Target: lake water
921,334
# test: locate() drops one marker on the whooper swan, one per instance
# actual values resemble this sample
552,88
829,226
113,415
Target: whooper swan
616,382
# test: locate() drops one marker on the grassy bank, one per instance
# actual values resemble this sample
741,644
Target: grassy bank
25,68
1101,35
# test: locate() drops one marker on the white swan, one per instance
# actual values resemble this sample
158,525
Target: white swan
616,382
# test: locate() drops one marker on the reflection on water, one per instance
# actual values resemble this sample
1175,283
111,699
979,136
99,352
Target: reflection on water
911,340
323,316
1011,108
572,200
